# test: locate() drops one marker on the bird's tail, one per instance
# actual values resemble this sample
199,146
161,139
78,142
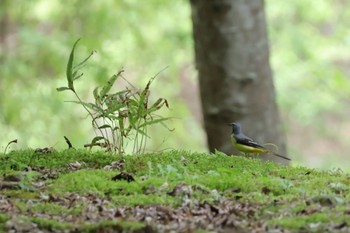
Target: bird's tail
281,156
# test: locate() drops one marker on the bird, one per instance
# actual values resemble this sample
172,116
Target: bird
247,145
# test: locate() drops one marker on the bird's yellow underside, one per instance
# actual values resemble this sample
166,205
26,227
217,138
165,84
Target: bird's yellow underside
247,149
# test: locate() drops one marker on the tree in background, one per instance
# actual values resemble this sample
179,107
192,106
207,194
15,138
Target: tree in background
4,21
39,43
309,55
232,58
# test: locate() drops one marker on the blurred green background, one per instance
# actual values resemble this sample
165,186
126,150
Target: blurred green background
310,56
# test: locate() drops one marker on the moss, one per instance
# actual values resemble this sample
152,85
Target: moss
20,194
142,199
50,225
84,181
21,159
3,219
116,226
55,209
283,196
311,223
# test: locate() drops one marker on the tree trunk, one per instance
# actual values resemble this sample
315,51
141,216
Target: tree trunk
235,78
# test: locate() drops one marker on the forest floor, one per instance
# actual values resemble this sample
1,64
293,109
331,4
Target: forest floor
178,191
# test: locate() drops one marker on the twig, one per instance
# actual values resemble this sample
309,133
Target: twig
68,142
13,141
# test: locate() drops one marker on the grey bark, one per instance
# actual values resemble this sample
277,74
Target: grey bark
235,78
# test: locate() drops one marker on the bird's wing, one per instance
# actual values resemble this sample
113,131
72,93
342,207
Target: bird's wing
244,140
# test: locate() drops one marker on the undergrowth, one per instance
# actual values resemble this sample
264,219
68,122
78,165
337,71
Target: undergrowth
118,118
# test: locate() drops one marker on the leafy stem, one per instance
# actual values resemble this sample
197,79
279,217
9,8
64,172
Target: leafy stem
120,117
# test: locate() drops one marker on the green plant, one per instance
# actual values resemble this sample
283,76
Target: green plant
8,144
117,118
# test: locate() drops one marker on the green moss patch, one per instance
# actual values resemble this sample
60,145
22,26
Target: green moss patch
89,191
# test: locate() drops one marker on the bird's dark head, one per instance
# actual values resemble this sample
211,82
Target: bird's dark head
236,127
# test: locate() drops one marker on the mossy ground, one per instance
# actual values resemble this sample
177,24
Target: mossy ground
54,194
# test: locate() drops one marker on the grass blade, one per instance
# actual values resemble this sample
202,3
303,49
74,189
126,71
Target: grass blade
69,70
62,89
75,77
96,95
106,88
85,60
8,144
91,106
105,127
151,122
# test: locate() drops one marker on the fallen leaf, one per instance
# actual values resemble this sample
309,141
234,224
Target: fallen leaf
74,166
38,184
323,200
340,225
123,176
265,190
9,185
118,164
181,189
13,177
44,197
19,225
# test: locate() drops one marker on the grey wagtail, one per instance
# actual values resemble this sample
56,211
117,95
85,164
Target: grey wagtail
247,145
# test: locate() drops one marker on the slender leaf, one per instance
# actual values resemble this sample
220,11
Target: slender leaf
121,127
114,107
98,138
96,95
89,105
105,126
133,108
75,77
132,103
119,97
69,70
142,104
106,88
111,117
157,105
63,89
151,122
132,120
8,144
138,129
79,66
